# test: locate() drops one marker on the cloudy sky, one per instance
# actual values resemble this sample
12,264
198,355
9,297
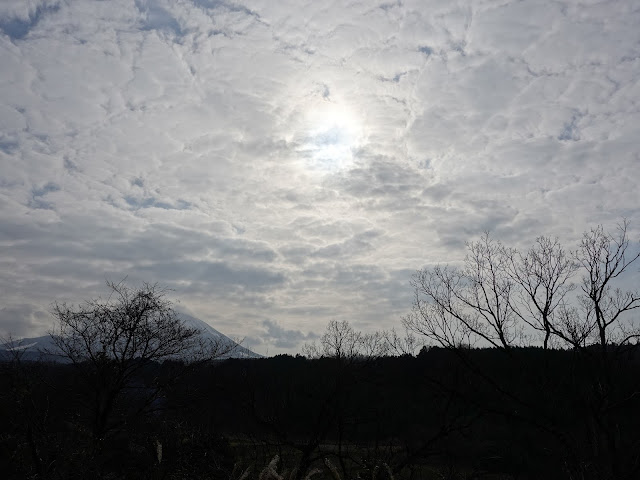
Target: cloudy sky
283,164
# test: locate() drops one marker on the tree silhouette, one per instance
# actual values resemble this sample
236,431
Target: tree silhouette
503,299
111,341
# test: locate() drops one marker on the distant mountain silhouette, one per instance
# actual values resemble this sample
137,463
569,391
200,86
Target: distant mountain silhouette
43,348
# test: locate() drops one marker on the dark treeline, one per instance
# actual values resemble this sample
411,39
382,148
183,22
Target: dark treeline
486,413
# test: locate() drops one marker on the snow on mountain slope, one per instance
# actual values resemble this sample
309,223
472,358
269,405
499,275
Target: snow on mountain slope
34,348
208,332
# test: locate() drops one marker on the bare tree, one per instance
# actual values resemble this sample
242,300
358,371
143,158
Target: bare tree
543,278
342,342
502,298
339,341
111,340
500,293
399,345
604,258
463,306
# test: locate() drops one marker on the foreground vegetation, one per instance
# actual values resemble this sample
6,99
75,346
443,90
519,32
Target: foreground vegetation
403,417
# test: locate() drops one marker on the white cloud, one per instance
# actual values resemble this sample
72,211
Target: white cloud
176,142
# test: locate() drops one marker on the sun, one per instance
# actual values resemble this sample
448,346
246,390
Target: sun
332,133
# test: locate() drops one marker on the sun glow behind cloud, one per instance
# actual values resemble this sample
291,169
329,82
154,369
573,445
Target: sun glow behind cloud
331,134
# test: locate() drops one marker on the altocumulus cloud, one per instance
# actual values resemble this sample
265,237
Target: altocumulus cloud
295,161
280,337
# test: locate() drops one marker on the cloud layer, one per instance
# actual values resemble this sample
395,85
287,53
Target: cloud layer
282,165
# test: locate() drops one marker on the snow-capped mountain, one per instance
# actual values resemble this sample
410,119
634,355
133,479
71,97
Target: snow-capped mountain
34,348
208,332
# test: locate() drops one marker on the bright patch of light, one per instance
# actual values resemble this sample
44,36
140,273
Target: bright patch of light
332,133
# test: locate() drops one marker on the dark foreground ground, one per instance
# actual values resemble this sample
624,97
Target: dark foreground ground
445,414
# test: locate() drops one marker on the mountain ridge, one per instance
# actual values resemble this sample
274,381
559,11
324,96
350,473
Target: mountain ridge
40,348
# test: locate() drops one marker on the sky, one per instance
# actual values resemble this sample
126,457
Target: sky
279,165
